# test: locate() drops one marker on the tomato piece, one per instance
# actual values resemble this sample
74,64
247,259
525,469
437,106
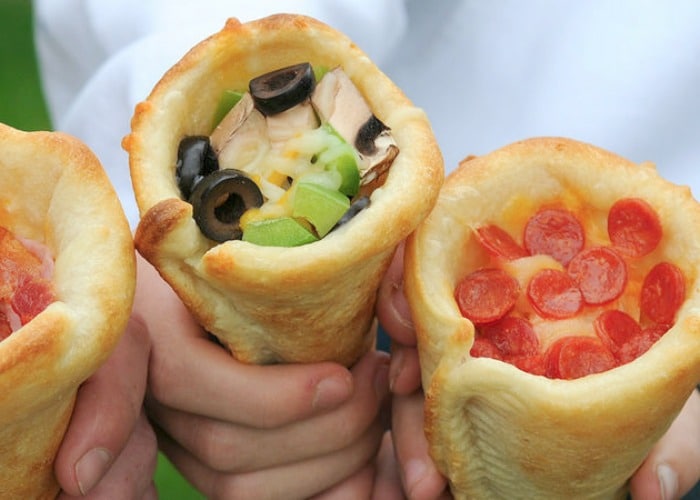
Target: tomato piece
663,293
600,273
634,227
554,295
486,295
554,232
512,336
577,356
616,329
497,242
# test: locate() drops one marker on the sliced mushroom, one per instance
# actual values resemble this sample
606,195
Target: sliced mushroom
290,123
338,102
377,147
241,139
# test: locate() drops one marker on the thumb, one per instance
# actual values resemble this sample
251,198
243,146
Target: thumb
673,465
107,408
392,308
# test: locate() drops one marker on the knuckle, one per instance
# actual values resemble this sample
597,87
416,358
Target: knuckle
217,446
163,379
238,487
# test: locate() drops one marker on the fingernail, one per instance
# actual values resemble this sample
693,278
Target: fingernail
400,305
381,379
414,471
668,481
397,359
91,467
331,391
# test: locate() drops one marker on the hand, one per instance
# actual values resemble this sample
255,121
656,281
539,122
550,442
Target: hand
419,476
109,450
672,465
238,430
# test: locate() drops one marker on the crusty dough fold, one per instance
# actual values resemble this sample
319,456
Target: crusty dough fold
496,431
53,191
271,304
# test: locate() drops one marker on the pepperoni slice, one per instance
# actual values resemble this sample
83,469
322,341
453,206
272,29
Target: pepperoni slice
574,357
554,232
512,336
554,295
663,293
640,344
656,330
600,273
484,348
634,227
486,295
530,364
497,242
512,340
617,329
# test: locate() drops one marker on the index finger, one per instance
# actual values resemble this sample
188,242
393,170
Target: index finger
197,376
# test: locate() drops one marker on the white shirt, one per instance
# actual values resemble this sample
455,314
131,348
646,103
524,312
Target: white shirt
622,75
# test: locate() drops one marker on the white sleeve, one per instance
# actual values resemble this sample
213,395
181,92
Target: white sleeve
622,75
98,58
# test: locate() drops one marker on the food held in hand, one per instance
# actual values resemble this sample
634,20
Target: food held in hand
554,291
574,276
276,169
67,275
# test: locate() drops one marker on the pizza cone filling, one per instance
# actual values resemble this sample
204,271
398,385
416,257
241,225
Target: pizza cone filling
565,304
26,288
288,160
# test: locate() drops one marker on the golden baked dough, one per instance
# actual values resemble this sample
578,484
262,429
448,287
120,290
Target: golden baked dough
496,431
269,304
55,192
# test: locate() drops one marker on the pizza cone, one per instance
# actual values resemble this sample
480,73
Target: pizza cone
574,410
271,303
59,211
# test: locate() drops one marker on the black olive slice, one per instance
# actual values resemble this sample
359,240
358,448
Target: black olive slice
282,89
220,199
368,133
356,207
195,159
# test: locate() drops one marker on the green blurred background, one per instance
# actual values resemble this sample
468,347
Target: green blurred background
22,106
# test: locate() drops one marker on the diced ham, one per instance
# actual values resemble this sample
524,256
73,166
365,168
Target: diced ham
26,268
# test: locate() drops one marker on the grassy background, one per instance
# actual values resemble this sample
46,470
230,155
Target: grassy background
22,106
21,102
